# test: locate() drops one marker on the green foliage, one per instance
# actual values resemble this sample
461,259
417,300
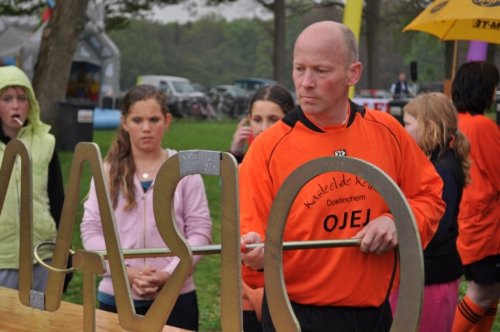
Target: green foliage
119,12
20,7
139,54
210,51
430,54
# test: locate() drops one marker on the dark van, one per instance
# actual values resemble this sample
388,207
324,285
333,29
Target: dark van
251,84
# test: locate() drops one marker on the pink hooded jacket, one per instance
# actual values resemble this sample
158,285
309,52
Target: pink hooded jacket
137,228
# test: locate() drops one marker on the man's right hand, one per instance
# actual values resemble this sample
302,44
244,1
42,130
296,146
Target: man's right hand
253,259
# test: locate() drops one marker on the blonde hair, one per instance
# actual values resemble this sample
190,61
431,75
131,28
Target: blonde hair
437,127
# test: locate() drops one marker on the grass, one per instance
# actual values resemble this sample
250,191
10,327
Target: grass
183,135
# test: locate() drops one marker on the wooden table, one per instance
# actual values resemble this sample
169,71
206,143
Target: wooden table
15,316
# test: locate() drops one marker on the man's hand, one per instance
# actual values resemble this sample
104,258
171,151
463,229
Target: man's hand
253,259
379,236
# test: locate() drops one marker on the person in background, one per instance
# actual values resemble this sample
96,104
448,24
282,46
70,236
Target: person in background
20,118
267,105
341,289
400,88
431,119
131,166
473,91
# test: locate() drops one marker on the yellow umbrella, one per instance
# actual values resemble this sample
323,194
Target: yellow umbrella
460,20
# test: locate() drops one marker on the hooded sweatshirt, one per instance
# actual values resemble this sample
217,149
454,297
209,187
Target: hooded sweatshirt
40,143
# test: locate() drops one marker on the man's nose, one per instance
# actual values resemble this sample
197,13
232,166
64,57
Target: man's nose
308,78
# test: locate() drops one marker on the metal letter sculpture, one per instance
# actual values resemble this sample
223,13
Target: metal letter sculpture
185,163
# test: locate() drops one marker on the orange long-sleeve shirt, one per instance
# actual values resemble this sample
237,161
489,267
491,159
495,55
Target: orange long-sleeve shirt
479,215
335,205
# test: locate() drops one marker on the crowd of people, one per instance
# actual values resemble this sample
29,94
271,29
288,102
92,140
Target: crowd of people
444,159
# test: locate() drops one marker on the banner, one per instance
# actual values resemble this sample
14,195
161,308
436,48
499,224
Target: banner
352,18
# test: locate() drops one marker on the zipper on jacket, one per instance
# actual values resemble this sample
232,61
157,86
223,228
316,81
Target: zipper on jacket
144,223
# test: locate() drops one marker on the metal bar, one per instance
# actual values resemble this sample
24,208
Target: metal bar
217,248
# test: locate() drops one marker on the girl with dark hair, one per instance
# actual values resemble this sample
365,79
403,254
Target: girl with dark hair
267,105
478,243
131,165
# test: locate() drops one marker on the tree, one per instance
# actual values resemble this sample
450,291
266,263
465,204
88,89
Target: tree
60,38
279,57
372,17
280,9
120,12
57,48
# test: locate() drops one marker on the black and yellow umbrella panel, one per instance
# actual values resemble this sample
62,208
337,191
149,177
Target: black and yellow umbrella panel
460,20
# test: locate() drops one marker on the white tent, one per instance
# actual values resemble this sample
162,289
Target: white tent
15,33
19,39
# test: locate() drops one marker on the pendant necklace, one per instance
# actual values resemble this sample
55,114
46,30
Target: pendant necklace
145,175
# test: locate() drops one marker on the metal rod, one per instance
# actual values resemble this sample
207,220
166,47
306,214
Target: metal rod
217,248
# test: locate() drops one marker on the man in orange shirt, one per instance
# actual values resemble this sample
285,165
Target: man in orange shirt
343,288
478,242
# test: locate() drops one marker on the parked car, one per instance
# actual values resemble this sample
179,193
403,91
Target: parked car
183,99
229,100
250,84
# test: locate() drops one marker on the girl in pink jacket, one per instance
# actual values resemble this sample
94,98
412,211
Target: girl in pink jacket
131,165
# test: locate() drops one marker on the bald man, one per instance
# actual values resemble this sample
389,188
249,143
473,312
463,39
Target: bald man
341,289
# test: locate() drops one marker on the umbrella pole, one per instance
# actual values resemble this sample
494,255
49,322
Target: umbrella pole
454,62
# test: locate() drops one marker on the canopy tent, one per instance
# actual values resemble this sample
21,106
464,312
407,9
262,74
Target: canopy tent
13,36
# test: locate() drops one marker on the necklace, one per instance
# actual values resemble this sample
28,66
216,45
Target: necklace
145,175
148,173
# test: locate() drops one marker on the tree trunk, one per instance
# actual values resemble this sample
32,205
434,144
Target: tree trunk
57,48
372,20
279,41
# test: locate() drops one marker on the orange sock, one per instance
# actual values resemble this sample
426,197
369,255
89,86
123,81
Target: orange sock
467,315
486,322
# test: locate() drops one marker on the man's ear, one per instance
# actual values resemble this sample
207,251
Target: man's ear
354,73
